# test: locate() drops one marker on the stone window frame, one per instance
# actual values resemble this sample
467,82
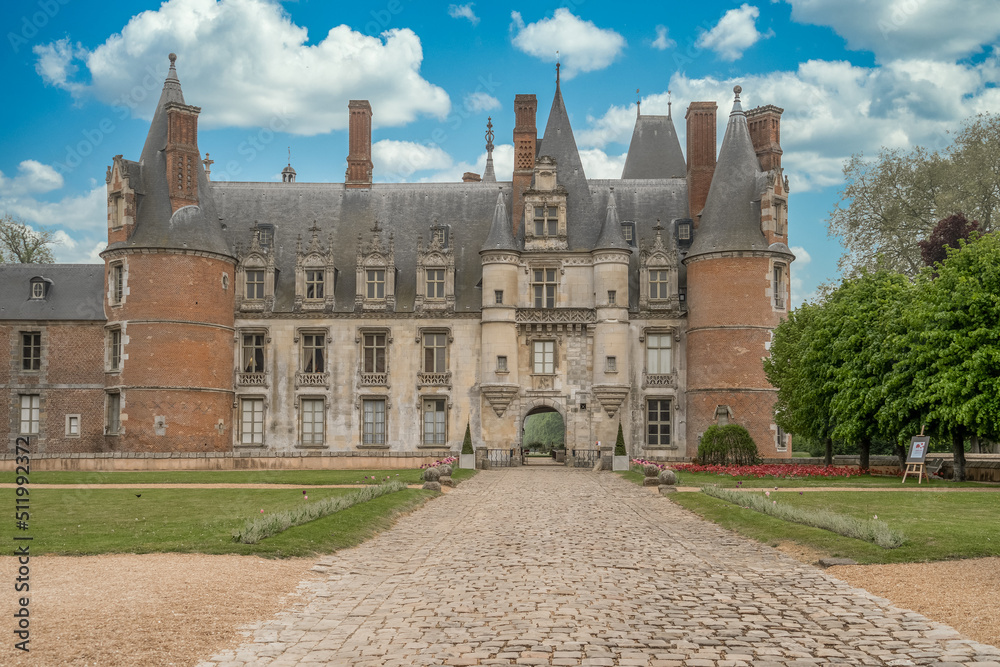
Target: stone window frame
498,297
34,414
611,364
114,356
670,423
436,256
259,376
29,349
300,340
612,297
363,399
370,377
301,422
112,416
502,367
438,271
257,260
779,282
660,256
556,280
671,331
444,398
780,439
116,210
628,232
420,340
117,283
375,258
314,269
241,431
534,342
549,226
38,289
69,422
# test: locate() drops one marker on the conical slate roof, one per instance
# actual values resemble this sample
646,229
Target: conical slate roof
655,150
611,232
501,236
731,218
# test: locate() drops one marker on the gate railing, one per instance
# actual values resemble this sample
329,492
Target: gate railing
585,458
500,458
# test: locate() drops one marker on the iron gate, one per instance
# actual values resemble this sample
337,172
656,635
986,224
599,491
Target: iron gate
585,458
500,458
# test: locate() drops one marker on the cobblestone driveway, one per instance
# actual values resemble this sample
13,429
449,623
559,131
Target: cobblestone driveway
563,567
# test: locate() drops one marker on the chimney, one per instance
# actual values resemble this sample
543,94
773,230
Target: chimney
525,138
359,157
765,133
471,177
701,154
182,154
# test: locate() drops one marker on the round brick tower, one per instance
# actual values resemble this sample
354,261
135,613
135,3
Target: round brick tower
169,297
737,278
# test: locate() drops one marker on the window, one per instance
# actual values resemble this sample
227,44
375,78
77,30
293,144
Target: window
498,297
115,349
117,211
312,410
374,353
72,426
684,231
113,419
266,235
546,220
628,232
117,283
544,288
253,353
314,284
255,284
252,421
544,352
782,444
37,289
610,364
658,353
373,421
658,284
30,411
313,353
779,286
657,422
434,421
502,364
375,283
612,297
435,352
435,283
31,351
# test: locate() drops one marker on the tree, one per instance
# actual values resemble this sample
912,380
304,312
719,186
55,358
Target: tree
620,442
945,235
20,244
467,442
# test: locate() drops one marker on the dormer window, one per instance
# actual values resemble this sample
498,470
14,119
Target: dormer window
266,235
546,220
375,284
255,284
628,232
314,284
37,289
684,231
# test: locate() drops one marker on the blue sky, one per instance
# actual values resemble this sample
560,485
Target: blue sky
852,76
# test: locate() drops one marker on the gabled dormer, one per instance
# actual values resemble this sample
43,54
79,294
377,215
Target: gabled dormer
658,288
123,182
375,277
435,273
255,273
314,274
545,209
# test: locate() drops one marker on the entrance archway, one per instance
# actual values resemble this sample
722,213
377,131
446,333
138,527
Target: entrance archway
543,434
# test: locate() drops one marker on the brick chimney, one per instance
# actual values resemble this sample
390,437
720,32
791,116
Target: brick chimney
182,154
471,177
359,157
701,154
765,133
525,138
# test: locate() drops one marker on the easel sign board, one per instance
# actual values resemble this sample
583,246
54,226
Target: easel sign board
919,444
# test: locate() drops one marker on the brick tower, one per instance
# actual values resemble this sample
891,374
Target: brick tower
737,276
169,294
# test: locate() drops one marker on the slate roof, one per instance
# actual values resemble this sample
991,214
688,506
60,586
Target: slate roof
655,150
74,292
501,236
611,231
731,218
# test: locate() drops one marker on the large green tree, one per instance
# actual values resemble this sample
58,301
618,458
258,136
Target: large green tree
20,244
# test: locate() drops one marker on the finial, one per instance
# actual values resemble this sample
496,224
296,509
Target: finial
557,68
668,104
173,59
737,107
290,157
737,90
208,166
658,227
314,229
638,102
489,134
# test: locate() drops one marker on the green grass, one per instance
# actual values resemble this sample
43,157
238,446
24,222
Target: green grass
706,478
409,476
938,526
801,455
96,521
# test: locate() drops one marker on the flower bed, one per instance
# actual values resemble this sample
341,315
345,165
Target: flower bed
776,470
446,461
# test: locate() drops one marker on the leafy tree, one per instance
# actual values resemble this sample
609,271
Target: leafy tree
945,235
20,244
546,427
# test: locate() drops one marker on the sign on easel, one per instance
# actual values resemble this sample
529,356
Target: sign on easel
917,457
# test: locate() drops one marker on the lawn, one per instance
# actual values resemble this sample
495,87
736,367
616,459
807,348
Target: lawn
699,479
310,477
95,521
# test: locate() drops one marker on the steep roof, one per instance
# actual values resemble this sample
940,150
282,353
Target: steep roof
74,292
731,217
501,236
611,231
655,150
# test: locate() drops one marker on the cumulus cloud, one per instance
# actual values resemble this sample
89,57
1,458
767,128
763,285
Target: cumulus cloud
248,65
396,161
799,274
480,101
503,166
926,29
598,164
735,32
662,42
617,123
86,213
33,177
582,46
463,12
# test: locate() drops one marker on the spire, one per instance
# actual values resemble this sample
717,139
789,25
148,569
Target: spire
501,236
638,104
611,232
737,107
172,85
489,176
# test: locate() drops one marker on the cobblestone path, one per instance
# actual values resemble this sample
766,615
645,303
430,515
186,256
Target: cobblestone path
565,567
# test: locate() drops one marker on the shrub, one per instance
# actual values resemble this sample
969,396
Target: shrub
467,443
620,443
727,445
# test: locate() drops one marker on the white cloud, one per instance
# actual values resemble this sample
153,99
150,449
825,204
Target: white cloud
33,177
598,164
735,32
617,123
926,29
802,256
463,12
799,274
248,65
480,101
86,213
503,166
662,42
55,63
396,161
582,46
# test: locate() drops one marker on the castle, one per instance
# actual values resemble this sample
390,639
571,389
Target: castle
344,317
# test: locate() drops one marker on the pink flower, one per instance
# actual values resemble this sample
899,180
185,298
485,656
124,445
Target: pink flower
262,511
767,493
875,517
306,497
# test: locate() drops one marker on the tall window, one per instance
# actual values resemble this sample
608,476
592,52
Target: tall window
435,283
253,353
312,410
544,356
255,284
628,232
31,351
117,283
373,421
266,235
546,220
779,286
30,411
435,352
314,284
375,283
658,353
313,350
544,288
434,421
658,421
658,284
72,426
113,419
115,349
374,353
782,443
252,421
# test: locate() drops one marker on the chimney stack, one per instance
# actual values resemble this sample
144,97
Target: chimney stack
701,154
359,157
183,158
765,133
525,139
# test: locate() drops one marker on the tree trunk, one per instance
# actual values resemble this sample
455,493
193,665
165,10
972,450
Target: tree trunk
866,452
828,457
901,455
974,442
958,452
